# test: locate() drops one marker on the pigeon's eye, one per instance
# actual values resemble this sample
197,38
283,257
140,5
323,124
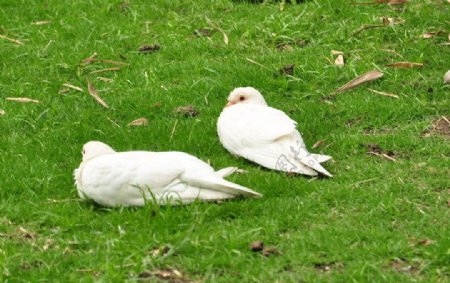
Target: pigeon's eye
241,98
84,151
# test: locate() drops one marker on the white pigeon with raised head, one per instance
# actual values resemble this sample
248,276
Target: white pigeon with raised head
248,127
133,178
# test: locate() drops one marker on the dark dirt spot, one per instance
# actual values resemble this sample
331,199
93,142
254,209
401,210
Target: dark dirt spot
327,98
285,47
271,250
326,266
425,242
161,251
149,48
145,274
31,264
353,121
257,246
290,44
168,274
187,111
124,6
375,148
287,70
403,265
203,32
440,126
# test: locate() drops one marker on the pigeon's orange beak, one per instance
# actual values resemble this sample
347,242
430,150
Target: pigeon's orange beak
230,103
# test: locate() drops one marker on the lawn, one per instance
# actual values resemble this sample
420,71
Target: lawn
383,217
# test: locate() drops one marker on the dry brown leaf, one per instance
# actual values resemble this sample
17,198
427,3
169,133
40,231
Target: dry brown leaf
139,122
105,70
405,65
105,79
22,99
431,34
94,94
389,2
384,93
72,87
425,242
336,52
339,60
318,144
16,41
39,23
364,78
447,77
396,2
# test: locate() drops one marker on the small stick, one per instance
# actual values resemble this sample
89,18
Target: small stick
173,129
384,155
256,63
12,39
105,70
363,181
72,86
384,93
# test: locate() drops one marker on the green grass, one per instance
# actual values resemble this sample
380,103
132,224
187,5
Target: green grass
366,231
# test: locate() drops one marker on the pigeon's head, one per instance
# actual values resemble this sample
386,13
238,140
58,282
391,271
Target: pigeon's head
95,148
247,95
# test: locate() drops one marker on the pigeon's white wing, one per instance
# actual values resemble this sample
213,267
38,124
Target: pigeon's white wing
267,136
215,183
242,126
126,178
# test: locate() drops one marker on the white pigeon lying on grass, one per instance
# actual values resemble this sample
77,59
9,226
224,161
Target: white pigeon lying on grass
132,178
249,128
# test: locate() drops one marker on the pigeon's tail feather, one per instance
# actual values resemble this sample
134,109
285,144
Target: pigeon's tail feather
314,163
226,171
321,157
218,184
